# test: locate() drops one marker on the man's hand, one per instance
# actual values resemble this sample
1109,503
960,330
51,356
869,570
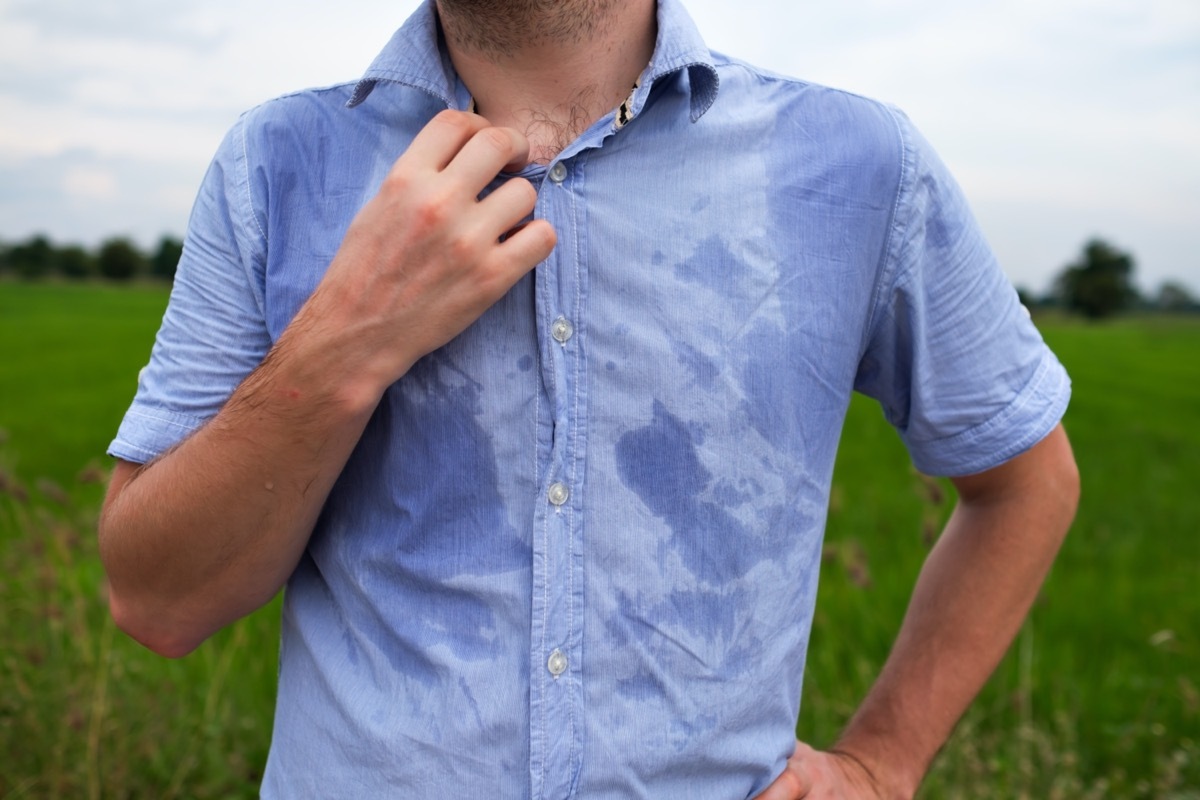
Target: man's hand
817,775
425,258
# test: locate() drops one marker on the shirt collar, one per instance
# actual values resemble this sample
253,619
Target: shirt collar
416,57
679,46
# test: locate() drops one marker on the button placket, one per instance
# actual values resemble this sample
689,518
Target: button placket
556,695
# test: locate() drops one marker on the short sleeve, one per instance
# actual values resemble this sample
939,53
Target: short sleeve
214,331
951,355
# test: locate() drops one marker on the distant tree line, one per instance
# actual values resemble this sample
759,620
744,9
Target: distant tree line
1099,283
116,259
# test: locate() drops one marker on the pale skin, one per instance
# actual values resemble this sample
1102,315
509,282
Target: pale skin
211,530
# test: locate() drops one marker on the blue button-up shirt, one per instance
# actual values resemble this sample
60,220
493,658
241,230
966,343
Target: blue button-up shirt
575,552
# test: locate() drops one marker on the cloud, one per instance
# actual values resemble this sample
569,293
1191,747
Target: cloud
89,183
83,196
179,23
41,130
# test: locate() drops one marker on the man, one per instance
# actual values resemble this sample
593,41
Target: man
555,532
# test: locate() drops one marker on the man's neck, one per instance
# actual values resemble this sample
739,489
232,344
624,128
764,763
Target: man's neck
548,69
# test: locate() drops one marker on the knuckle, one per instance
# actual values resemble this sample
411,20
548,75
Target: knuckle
433,211
496,138
461,248
397,181
494,280
452,119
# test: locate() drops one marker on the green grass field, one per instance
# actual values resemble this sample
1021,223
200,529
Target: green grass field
1099,697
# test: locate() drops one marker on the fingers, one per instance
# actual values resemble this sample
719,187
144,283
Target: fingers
529,246
507,206
452,160
442,138
467,149
485,154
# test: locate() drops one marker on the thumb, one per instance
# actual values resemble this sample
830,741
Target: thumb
795,782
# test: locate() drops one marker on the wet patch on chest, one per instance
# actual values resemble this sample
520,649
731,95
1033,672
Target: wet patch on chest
696,633
702,369
450,492
711,259
427,536
660,463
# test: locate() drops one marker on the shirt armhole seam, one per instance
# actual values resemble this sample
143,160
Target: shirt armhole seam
257,291
887,271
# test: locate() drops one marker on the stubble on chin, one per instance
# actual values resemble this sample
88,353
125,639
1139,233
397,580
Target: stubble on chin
500,28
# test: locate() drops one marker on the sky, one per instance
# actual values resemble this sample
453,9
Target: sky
1062,119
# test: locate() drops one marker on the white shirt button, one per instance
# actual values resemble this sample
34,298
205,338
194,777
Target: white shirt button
558,173
561,330
558,493
557,663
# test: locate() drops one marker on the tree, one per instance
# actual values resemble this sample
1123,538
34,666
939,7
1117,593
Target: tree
1174,297
166,258
32,259
74,262
120,260
1026,297
1099,283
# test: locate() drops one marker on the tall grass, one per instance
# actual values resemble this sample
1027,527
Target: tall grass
85,712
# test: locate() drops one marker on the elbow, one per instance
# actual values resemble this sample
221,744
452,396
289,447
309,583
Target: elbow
1067,487
1074,489
1051,480
147,620
151,630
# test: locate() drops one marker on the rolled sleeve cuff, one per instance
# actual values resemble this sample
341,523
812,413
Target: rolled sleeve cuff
148,431
1028,419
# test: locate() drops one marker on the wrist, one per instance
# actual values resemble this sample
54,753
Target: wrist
315,369
339,350
893,775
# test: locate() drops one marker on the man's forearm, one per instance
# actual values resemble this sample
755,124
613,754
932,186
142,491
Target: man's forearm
211,530
973,594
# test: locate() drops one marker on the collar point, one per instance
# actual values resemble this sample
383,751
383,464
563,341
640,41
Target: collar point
361,91
704,83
